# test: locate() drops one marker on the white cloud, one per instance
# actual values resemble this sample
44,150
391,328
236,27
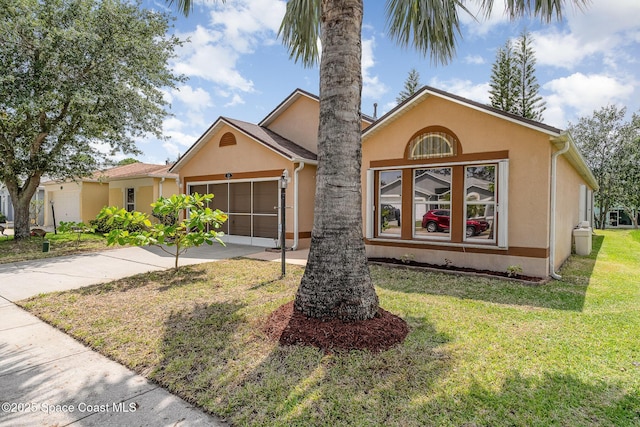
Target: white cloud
235,100
245,24
474,59
580,95
464,88
206,58
235,29
478,24
372,87
602,29
195,100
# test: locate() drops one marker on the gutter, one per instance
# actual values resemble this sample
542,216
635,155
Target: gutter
552,225
295,205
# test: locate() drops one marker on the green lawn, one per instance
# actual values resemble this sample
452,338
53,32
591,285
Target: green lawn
481,352
59,244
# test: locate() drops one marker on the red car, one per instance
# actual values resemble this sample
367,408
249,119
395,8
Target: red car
438,220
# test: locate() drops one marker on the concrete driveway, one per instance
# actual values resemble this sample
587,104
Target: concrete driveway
49,379
24,279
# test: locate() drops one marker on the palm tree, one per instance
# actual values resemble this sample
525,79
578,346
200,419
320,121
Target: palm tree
336,282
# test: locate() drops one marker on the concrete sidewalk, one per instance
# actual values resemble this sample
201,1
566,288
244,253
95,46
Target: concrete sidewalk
49,379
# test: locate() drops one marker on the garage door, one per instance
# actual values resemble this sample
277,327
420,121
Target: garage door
251,206
66,205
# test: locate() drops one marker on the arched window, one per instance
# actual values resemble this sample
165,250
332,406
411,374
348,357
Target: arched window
430,145
227,139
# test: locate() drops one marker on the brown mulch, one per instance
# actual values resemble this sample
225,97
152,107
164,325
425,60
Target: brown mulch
456,269
291,327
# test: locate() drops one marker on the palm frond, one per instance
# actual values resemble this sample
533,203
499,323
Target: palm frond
300,31
547,10
430,26
184,6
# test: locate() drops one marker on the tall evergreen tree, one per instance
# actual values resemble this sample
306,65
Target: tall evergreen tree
514,86
411,86
504,79
529,104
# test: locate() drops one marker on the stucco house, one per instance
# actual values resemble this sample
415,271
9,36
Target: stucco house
525,181
134,186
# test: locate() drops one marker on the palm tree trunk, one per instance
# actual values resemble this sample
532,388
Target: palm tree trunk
336,282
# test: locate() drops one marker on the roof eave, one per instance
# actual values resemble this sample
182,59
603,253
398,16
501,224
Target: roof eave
576,160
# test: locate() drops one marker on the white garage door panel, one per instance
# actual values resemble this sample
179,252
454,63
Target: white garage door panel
67,206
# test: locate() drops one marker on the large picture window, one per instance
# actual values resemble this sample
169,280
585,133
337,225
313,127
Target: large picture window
457,204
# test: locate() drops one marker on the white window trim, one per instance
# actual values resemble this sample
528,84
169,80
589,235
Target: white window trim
126,199
502,204
370,208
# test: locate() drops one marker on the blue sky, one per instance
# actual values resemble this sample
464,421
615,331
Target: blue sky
236,66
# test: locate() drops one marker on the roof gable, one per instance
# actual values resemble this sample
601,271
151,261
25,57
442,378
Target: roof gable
257,133
427,91
290,100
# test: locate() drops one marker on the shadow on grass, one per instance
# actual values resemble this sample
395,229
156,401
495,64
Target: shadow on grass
553,399
198,350
168,279
301,385
208,361
566,294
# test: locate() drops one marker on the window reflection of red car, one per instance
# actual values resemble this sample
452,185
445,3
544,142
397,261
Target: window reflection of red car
438,220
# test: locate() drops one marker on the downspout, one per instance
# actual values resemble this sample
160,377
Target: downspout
295,205
552,225
160,187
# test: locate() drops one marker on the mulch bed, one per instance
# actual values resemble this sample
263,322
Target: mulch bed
454,269
290,327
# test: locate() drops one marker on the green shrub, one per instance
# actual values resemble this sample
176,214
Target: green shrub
101,225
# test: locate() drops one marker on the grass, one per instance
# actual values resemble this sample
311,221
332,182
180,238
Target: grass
481,352
59,244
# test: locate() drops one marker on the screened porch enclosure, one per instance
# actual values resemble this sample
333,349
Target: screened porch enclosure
252,207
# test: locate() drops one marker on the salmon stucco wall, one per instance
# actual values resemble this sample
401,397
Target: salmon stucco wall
245,157
306,198
567,213
303,110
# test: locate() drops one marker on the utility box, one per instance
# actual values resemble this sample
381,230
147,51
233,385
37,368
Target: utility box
583,240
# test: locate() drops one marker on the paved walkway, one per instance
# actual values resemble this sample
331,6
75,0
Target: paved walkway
49,379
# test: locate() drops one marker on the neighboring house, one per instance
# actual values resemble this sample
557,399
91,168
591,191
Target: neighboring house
36,208
436,150
134,187
618,217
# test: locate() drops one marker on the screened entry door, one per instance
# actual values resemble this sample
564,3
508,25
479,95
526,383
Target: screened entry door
252,209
